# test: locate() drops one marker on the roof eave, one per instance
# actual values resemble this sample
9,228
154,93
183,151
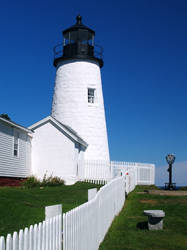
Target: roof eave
16,125
71,134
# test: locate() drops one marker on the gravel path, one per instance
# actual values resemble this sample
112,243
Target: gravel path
167,192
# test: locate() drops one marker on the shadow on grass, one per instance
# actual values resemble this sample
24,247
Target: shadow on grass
142,225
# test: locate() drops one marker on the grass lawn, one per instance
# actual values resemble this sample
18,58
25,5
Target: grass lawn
20,208
125,232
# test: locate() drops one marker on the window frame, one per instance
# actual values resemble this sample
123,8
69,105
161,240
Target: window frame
91,97
16,138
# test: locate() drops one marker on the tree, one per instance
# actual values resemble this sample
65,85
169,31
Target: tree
5,116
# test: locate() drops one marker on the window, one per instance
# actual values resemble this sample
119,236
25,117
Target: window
16,143
91,95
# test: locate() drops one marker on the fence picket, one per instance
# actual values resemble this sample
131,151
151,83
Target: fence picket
26,239
44,236
39,244
60,231
21,239
47,235
15,241
35,238
31,237
56,233
9,242
50,234
2,243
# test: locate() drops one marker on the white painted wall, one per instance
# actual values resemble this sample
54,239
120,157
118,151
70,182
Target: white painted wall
54,153
71,107
10,165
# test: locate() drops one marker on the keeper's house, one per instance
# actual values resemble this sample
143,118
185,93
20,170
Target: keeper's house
15,149
47,147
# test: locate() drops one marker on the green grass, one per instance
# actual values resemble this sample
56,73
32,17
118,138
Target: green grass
125,232
20,207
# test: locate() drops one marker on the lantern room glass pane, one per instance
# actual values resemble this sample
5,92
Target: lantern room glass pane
80,35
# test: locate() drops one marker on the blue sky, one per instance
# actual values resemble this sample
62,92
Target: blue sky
144,74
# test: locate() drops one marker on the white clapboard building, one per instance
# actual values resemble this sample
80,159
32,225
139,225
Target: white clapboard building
15,150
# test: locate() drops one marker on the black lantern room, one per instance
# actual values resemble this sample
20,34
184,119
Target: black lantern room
78,43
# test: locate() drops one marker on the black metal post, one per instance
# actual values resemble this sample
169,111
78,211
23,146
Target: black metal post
170,177
170,158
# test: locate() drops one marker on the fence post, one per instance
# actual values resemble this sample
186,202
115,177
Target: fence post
92,193
52,211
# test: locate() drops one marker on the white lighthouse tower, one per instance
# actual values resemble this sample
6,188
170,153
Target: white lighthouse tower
78,97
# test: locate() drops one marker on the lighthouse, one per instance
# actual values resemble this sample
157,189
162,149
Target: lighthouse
78,97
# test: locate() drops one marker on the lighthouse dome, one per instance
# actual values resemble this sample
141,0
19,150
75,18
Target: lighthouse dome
79,31
78,43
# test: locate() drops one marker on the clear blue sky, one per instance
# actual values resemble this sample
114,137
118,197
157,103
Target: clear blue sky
144,74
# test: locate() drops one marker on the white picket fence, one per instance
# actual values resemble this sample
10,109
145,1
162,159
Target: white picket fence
43,236
96,171
85,227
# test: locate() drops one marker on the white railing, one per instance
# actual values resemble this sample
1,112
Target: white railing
85,226
101,172
144,173
43,236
